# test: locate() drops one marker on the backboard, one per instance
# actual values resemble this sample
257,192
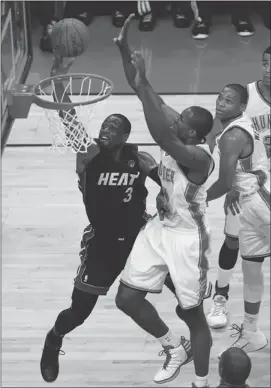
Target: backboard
16,54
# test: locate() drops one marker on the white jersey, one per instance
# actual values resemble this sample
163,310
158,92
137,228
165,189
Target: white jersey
248,169
258,109
186,200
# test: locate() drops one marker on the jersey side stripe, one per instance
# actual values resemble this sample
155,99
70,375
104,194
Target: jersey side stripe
204,237
265,195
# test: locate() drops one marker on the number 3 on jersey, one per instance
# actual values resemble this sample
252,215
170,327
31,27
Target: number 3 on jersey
128,195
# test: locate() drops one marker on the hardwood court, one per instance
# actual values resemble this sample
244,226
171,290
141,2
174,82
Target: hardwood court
43,218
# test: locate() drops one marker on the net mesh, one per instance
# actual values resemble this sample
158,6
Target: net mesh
71,129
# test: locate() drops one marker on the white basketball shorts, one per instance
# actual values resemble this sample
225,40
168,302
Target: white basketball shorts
232,225
254,233
159,250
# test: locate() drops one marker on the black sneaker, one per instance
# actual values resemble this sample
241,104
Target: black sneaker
201,30
180,20
49,365
147,22
244,27
45,41
118,19
85,17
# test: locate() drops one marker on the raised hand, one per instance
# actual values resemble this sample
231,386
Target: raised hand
139,62
58,67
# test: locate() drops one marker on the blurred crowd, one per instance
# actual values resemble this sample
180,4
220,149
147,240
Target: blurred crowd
195,15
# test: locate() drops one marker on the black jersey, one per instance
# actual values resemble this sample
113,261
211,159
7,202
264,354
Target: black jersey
114,190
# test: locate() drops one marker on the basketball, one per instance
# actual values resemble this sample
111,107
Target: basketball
70,37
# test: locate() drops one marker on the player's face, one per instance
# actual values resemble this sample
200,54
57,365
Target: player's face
228,104
112,133
182,127
266,69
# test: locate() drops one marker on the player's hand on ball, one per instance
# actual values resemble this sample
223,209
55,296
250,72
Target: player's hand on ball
232,202
59,67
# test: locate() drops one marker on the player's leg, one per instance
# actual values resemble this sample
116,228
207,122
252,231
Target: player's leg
145,271
188,266
81,307
95,276
254,247
217,315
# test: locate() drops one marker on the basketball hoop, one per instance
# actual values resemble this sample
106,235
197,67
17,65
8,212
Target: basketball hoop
69,121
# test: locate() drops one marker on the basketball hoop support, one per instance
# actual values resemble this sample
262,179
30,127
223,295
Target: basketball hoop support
20,98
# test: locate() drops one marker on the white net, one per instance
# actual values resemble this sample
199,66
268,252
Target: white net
71,129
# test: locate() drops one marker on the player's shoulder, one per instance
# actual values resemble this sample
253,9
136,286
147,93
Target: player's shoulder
234,137
147,158
252,88
146,162
252,84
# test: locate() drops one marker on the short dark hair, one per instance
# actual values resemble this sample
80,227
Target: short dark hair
267,50
127,124
201,121
241,90
235,366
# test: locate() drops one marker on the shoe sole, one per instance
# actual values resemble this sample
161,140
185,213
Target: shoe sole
176,374
246,34
200,37
251,351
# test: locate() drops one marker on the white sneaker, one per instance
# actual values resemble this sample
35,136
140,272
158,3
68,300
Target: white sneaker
217,315
175,359
249,341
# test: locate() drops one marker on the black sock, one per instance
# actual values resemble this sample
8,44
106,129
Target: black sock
224,291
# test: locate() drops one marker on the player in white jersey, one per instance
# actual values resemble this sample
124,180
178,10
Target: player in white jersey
177,242
259,104
243,164
258,109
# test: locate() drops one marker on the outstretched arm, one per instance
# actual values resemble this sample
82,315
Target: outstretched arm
231,146
129,69
160,118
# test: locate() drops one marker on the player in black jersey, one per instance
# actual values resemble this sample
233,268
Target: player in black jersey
112,180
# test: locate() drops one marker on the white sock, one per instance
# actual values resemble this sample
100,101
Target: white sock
251,322
169,340
223,277
201,381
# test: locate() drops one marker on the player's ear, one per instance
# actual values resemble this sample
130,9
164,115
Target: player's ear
243,107
125,137
192,133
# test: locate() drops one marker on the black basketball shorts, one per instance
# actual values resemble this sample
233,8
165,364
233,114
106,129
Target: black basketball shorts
103,257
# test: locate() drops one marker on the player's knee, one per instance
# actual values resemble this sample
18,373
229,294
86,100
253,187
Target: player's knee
252,273
82,308
129,299
232,242
192,316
